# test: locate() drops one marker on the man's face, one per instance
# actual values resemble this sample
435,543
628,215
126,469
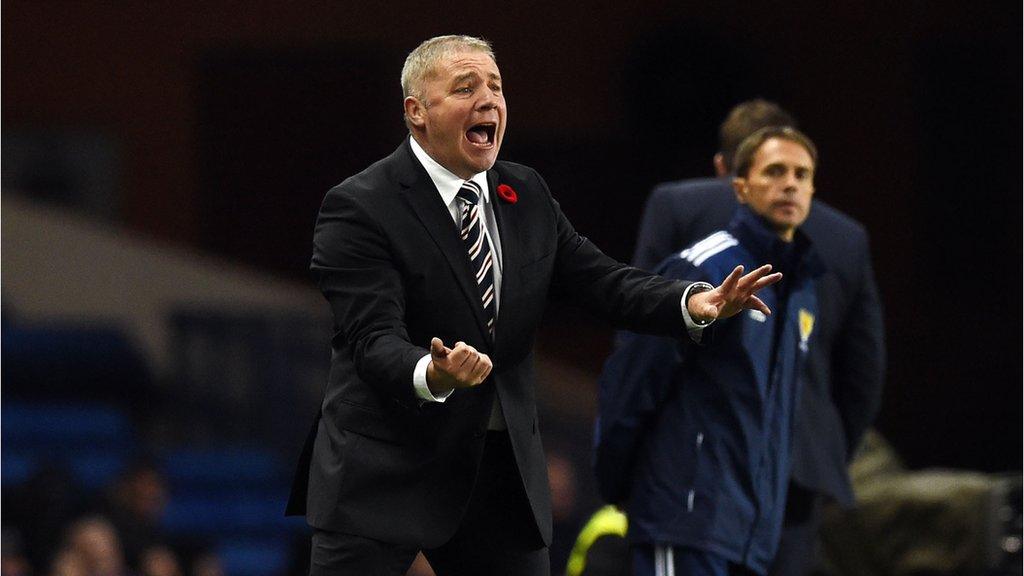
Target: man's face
461,120
779,185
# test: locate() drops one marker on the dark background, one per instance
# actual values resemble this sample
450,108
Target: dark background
228,121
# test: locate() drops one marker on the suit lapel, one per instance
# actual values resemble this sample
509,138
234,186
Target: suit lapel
423,197
508,230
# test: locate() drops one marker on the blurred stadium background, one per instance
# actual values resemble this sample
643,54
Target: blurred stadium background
162,165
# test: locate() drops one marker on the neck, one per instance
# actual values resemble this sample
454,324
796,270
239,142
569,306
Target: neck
420,141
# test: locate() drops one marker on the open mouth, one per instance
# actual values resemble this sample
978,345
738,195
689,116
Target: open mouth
482,134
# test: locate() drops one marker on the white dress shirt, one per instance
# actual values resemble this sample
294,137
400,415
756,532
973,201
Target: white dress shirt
448,186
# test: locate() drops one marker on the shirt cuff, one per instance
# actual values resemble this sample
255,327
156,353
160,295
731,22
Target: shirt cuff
693,327
419,382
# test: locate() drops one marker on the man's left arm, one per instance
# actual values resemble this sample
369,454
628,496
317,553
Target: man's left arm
627,297
858,358
639,301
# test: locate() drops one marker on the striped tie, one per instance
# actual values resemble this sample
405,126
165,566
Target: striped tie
478,247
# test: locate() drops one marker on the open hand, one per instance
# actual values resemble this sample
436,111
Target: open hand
460,367
734,294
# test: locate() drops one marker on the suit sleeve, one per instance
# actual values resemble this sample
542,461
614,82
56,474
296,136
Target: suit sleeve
635,381
859,359
658,235
627,297
353,267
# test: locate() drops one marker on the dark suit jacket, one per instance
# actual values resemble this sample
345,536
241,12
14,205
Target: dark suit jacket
388,258
846,364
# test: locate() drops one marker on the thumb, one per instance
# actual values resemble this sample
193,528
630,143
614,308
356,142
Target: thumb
710,311
702,306
437,348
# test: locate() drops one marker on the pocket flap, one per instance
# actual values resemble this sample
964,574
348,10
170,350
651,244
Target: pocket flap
370,422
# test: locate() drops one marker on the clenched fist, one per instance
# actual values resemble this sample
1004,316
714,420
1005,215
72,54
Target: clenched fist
460,367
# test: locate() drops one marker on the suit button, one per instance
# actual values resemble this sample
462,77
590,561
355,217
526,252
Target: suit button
480,434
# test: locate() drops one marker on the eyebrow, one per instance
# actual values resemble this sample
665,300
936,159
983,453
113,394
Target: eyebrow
467,75
785,165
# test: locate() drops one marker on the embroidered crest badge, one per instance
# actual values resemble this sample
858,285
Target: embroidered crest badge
806,327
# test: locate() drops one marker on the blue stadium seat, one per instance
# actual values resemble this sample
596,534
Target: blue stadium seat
93,441
232,466
97,469
228,511
63,428
253,557
74,362
16,467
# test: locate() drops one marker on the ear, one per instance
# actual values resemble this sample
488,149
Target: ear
720,168
415,111
739,186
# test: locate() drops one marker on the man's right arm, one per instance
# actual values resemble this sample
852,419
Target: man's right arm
355,271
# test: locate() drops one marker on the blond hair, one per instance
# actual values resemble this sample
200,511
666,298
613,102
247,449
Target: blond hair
421,62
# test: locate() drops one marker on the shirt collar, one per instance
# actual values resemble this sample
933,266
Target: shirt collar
757,237
447,184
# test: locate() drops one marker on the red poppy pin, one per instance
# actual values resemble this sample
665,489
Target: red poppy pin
506,193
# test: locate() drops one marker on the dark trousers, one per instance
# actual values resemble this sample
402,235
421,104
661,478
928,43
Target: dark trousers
798,548
497,535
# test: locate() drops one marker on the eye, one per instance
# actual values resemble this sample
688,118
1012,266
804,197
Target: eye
774,171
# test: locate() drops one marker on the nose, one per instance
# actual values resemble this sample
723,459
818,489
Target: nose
489,100
791,182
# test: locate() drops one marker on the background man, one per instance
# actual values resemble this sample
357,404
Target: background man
422,446
699,439
846,364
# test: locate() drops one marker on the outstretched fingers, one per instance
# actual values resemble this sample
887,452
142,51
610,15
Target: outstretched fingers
757,304
732,280
755,281
748,281
767,281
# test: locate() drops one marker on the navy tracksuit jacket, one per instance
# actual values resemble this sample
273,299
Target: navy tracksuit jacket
695,440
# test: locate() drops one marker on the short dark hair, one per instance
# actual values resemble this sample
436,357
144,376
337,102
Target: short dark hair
745,119
749,147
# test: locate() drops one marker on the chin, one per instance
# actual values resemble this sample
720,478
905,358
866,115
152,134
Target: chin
483,164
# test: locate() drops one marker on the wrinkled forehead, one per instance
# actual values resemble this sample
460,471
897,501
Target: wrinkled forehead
462,60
